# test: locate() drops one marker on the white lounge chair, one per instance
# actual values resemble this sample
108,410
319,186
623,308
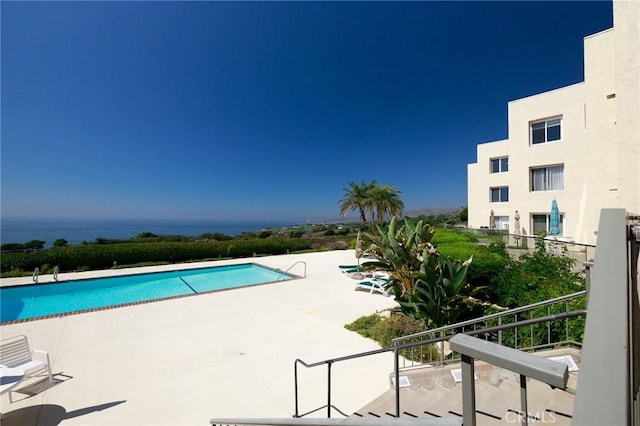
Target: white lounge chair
380,275
377,285
362,273
15,354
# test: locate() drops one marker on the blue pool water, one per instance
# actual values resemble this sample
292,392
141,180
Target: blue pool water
33,301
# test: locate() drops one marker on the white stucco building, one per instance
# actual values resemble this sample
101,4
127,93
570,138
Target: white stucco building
579,144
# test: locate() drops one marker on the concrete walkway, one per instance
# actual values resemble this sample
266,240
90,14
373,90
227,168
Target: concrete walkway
225,354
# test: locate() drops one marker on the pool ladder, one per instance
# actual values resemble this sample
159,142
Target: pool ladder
291,267
36,272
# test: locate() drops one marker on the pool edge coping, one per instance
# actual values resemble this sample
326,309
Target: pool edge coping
144,302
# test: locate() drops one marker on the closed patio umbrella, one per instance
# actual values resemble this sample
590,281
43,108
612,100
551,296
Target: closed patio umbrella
554,220
358,247
492,220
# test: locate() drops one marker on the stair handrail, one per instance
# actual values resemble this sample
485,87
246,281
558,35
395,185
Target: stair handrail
396,350
291,267
499,316
34,277
496,315
524,364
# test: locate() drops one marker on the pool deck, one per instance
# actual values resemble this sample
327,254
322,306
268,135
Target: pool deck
223,354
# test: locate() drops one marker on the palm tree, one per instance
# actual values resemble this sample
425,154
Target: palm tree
380,201
385,202
355,198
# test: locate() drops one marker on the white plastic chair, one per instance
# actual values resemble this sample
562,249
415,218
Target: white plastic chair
15,353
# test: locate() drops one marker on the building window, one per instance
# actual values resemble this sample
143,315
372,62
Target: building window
546,131
540,223
550,178
500,165
499,194
502,222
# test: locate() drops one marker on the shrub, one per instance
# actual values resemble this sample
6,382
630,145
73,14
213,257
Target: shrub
101,256
365,325
384,330
12,247
337,245
144,235
536,277
296,234
464,214
488,261
60,243
35,245
217,236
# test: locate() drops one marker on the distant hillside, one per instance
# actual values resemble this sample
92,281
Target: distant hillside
432,211
426,211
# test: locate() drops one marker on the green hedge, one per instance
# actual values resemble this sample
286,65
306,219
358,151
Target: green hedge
488,260
94,256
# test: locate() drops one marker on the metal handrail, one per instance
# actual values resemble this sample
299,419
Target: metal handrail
498,318
525,365
509,312
291,267
34,277
396,350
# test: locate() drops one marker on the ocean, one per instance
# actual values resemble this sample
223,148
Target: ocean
75,231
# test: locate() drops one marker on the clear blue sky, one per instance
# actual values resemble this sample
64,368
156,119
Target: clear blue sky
261,110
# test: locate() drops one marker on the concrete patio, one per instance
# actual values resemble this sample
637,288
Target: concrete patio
224,354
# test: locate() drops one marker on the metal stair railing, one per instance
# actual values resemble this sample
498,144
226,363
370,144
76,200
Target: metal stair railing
397,351
526,365
428,355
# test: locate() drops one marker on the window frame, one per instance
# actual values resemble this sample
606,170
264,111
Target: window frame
548,124
547,179
502,223
547,217
502,162
500,193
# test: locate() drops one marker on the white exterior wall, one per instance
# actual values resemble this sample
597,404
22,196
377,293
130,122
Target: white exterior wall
599,146
626,20
480,180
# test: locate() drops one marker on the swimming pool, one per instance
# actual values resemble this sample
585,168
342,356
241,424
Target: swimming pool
66,297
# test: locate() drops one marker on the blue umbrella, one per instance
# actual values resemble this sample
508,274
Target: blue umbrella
554,220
